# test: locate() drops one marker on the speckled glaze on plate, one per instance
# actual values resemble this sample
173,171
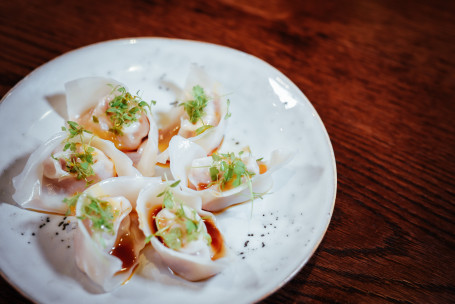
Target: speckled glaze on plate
270,240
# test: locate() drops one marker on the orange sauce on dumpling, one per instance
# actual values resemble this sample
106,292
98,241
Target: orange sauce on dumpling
199,187
165,136
216,148
262,168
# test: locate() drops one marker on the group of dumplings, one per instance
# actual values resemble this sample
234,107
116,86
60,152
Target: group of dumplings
103,168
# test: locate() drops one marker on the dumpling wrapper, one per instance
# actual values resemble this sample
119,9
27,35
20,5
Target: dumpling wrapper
194,262
84,94
32,192
182,154
217,108
92,248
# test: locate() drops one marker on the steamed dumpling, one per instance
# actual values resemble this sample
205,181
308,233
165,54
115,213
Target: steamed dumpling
61,168
54,171
105,107
201,116
108,240
185,237
210,179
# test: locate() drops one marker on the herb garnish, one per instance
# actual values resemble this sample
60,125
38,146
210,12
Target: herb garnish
124,109
203,129
228,170
71,202
195,108
181,229
100,213
168,196
80,162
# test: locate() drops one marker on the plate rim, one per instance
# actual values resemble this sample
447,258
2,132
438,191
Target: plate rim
142,39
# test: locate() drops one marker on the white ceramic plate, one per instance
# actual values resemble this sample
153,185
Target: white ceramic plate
270,243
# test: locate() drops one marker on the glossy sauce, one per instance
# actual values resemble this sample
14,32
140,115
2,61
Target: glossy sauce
165,136
124,251
199,187
166,165
262,168
217,245
152,215
124,248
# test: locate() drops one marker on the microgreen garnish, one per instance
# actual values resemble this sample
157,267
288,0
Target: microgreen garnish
172,237
228,170
100,213
80,161
71,202
175,184
74,129
168,196
203,129
195,108
182,228
125,109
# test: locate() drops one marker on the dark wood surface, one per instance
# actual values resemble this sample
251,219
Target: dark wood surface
381,74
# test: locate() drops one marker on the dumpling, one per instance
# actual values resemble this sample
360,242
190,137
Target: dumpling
186,238
201,115
108,240
65,165
225,179
105,107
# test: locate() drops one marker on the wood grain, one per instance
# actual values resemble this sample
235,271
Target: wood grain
381,76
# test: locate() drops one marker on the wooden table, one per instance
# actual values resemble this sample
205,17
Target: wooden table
381,76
